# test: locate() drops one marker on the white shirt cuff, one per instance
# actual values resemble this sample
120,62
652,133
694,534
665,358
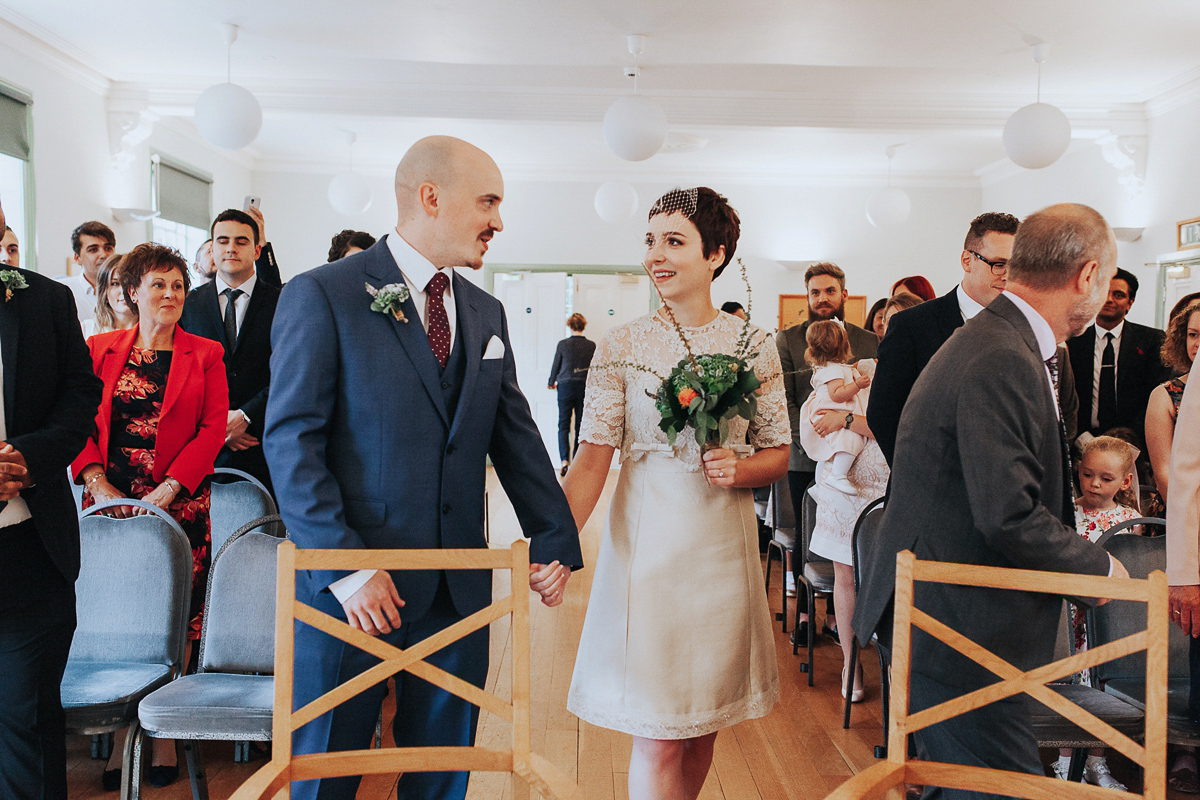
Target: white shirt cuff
1111,565
347,586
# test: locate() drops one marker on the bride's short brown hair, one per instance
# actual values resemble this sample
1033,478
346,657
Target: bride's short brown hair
716,220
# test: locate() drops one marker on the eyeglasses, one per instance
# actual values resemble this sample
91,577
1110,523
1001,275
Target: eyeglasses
998,267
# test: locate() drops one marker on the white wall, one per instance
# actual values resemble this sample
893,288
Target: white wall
554,223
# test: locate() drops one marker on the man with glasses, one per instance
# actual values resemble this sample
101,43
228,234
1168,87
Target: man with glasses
914,335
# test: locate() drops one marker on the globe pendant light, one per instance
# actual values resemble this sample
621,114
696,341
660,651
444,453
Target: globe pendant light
227,115
635,127
1037,135
889,207
615,201
349,193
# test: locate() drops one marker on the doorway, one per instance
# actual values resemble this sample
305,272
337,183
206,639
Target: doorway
538,304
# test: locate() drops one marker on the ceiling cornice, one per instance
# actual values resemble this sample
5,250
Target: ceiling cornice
43,46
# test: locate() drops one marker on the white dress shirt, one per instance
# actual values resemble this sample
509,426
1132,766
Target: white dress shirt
16,510
243,301
966,306
1101,341
85,295
417,271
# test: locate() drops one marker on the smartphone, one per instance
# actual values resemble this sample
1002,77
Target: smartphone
250,202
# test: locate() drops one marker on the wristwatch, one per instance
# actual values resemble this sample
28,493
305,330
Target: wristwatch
849,421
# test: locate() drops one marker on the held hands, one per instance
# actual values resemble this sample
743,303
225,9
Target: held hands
550,581
14,472
236,437
720,467
375,608
162,496
1184,602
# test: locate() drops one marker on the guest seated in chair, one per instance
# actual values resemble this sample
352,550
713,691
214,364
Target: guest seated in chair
160,425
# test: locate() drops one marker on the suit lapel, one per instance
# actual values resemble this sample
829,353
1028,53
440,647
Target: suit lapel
181,364
467,329
10,325
950,316
381,270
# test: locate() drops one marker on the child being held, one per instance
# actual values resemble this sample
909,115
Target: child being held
837,386
1105,499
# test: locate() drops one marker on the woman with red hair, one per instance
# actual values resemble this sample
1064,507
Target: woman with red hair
915,284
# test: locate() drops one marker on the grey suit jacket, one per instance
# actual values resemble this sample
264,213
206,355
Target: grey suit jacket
979,478
797,378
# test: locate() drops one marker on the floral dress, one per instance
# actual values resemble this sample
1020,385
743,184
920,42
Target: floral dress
137,404
1089,525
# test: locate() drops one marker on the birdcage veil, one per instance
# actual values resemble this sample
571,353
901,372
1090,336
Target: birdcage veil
681,200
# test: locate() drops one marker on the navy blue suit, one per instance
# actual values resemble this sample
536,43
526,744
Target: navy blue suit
372,444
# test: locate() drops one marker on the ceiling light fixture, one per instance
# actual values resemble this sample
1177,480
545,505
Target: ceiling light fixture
1037,135
349,193
227,115
615,201
889,207
635,127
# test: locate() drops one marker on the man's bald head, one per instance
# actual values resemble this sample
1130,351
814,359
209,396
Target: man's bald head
439,160
2,220
1052,245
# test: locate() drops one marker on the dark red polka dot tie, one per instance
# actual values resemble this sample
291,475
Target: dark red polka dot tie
435,315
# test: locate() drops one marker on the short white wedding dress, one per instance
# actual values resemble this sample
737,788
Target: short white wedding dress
677,641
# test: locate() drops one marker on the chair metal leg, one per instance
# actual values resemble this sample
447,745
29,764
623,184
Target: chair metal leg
102,744
848,685
885,692
775,551
1078,759
195,767
131,762
812,631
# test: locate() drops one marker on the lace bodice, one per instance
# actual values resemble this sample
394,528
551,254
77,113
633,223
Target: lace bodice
618,412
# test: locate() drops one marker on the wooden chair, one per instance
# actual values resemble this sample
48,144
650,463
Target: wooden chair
527,768
897,770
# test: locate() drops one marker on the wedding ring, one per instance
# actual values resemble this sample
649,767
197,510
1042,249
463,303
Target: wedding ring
720,473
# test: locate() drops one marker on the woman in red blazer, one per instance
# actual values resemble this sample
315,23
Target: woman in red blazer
161,421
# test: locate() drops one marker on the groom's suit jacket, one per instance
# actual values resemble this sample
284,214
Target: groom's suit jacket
363,450
979,478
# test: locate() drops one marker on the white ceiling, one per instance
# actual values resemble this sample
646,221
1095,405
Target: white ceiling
781,89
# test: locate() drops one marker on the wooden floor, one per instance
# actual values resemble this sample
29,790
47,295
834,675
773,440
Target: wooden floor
798,751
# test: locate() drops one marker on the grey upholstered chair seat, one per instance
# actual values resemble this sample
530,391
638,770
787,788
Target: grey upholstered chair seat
211,705
106,693
1053,730
1180,728
820,575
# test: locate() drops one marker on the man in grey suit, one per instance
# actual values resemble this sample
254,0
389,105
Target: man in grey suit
826,286
981,476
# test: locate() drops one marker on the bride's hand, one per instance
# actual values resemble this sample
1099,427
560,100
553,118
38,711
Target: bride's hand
720,467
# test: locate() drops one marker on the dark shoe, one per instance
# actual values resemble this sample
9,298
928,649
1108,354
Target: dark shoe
110,780
830,632
162,776
800,633
563,472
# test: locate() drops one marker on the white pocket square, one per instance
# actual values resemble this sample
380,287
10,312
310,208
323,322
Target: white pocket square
495,348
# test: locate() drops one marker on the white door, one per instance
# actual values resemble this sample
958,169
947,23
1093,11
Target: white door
610,300
536,305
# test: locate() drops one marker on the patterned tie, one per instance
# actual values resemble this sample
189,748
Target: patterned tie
435,316
1068,469
1106,411
231,296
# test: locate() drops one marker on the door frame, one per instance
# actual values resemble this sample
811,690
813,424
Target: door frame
490,270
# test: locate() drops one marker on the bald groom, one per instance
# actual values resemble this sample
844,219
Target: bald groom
377,437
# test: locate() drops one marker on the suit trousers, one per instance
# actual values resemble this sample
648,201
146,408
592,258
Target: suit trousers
570,401
37,621
998,736
425,715
1194,662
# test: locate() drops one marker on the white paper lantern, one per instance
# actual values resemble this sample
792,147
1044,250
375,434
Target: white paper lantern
1037,135
888,208
349,194
635,127
616,201
228,116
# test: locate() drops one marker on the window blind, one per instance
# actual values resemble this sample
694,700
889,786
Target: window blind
14,124
183,197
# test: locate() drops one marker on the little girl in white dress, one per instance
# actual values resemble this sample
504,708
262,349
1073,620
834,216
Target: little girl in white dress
837,386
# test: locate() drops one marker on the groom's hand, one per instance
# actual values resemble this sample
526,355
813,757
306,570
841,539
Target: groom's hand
550,581
375,607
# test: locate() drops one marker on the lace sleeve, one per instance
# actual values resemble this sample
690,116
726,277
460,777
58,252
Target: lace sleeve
770,427
604,401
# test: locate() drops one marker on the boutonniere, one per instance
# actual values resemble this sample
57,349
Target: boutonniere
12,281
388,299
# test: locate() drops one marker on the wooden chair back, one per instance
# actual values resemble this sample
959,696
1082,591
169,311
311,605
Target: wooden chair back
883,777
527,768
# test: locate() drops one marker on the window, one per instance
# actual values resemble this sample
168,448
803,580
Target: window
16,175
183,198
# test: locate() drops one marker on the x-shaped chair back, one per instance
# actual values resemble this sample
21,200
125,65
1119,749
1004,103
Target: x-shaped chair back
897,770
528,769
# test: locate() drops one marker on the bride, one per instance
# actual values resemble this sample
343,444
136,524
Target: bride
677,642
